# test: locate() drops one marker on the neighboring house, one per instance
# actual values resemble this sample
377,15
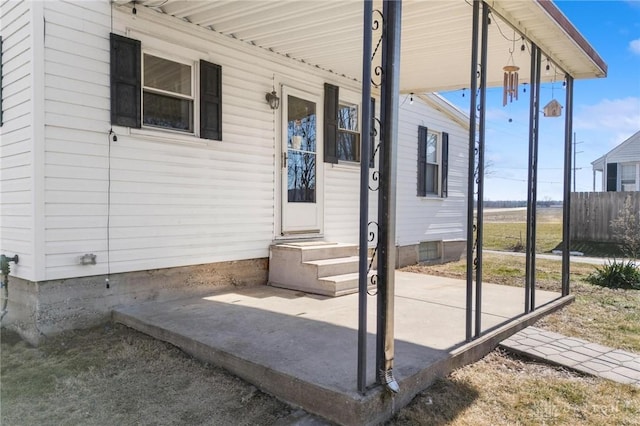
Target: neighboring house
620,167
134,143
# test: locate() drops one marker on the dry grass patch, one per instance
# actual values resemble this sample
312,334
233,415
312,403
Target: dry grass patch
610,317
512,236
506,229
502,390
116,376
607,316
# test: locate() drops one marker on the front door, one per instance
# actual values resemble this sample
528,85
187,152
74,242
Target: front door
301,166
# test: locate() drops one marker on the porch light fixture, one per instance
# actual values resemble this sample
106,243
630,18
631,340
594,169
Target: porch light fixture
547,68
273,99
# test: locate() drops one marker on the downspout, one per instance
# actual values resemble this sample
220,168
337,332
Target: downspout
385,345
5,269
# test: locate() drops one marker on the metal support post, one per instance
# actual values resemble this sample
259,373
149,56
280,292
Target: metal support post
392,12
480,177
534,123
363,269
473,84
566,202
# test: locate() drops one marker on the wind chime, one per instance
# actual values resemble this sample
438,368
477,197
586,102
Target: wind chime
510,83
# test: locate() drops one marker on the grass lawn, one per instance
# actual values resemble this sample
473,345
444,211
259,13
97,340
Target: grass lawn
507,230
512,236
116,376
503,390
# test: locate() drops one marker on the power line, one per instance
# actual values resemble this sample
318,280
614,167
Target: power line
520,180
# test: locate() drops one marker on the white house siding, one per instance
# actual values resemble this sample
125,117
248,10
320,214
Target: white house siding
175,200
423,218
342,198
16,153
628,152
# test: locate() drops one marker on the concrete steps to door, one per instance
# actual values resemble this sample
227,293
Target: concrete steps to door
329,269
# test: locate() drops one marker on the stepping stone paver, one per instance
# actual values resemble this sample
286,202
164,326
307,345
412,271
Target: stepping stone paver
576,354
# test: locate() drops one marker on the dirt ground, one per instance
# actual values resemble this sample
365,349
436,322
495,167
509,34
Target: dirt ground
113,375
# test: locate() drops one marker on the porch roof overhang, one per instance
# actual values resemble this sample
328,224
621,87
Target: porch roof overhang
436,36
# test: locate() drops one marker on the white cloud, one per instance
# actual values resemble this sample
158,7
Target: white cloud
634,46
620,116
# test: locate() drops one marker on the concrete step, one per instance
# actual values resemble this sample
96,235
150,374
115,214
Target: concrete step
335,266
319,250
330,269
343,284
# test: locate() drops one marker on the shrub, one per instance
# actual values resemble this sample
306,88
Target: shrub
626,228
617,275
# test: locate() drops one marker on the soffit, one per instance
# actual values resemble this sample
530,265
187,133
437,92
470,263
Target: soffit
435,44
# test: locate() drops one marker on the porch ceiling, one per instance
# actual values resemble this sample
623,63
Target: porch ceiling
436,36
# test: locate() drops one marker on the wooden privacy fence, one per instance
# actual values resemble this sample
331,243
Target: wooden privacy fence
592,213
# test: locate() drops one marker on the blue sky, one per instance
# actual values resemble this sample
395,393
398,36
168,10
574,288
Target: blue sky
606,111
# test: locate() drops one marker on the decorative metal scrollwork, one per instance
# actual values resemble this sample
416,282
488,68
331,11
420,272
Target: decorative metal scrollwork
374,283
374,177
378,23
374,132
373,279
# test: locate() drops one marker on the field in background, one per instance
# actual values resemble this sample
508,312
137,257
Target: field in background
506,229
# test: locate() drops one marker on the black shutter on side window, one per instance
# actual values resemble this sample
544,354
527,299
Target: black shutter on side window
422,160
612,177
210,101
125,81
372,138
445,165
331,100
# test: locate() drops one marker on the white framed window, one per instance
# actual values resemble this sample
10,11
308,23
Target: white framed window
432,164
168,96
433,153
348,132
156,90
628,177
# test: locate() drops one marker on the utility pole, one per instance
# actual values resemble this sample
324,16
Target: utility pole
574,160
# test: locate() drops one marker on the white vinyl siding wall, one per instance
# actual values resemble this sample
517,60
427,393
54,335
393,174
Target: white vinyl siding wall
175,200
430,218
628,152
16,149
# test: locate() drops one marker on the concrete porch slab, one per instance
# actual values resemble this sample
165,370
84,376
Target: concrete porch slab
303,348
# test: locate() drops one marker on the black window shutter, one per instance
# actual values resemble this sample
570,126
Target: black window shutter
331,100
422,160
612,177
210,101
445,165
125,81
372,139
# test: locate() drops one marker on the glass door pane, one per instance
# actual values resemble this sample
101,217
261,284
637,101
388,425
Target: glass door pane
301,150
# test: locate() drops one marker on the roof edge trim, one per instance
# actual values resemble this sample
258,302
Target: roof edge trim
572,32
